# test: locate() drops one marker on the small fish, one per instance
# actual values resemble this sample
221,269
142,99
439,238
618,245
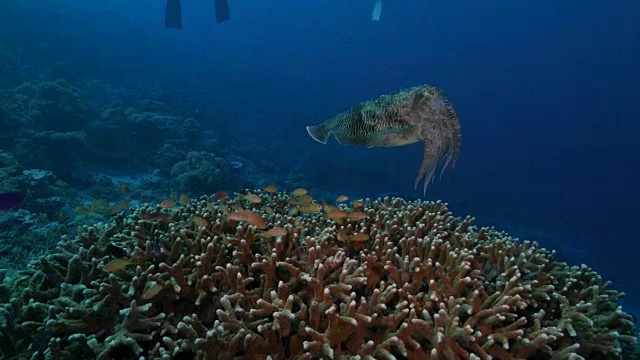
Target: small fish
359,237
293,211
305,199
310,208
356,215
168,204
154,216
81,210
184,199
101,206
124,188
152,291
200,221
220,195
421,113
250,217
269,210
253,198
273,232
120,264
299,192
271,189
342,198
334,212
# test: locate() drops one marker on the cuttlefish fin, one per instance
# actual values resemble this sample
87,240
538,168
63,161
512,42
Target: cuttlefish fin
319,133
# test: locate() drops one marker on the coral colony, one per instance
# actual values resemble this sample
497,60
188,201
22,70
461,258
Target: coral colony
272,275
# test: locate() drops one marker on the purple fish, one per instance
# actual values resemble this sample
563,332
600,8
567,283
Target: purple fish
11,199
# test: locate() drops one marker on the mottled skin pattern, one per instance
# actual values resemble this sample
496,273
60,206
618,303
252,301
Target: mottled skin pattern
421,113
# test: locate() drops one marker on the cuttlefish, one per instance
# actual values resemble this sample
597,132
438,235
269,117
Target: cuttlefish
420,113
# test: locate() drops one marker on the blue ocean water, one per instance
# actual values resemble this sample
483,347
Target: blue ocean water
546,93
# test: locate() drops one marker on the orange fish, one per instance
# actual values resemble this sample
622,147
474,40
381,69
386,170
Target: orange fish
359,237
168,204
273,232
270,189
80,210
155,216
269,210
184,199
250,217
253,198
310,208
357,203
299,192
101,206
334,212
124,188
342,198
200,221
357,215
305,199
220,195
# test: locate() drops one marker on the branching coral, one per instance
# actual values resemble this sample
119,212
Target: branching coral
194,284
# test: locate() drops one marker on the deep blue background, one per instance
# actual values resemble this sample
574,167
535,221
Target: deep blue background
547,93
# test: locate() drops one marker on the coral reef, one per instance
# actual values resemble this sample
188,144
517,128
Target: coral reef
40,184
25,235
201,172
387,279
61,152
74,131
135,134
47,105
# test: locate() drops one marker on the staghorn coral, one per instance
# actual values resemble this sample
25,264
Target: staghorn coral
196,285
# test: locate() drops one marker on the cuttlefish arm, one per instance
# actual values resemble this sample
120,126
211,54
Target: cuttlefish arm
433,151
439,130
